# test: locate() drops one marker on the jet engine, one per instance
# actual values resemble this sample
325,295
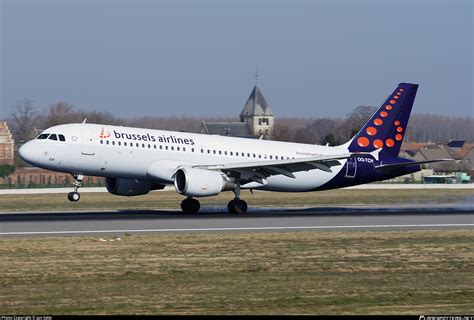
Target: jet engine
130,187
194,182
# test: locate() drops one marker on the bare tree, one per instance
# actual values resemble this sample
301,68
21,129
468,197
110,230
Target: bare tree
60,113
281,132
24,117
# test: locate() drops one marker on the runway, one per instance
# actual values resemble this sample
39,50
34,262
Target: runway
217,220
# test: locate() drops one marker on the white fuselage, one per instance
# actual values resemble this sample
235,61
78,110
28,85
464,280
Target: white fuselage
124,152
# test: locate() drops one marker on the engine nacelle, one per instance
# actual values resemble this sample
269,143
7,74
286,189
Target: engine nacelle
130,187
193,182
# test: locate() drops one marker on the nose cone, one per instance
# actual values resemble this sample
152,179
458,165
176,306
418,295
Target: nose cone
27,152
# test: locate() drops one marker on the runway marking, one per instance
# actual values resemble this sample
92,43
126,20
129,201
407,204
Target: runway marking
241,229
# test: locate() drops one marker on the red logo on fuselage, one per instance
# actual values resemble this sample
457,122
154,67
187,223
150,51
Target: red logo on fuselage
104,134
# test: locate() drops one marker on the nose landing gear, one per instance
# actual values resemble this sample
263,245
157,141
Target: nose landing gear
74,195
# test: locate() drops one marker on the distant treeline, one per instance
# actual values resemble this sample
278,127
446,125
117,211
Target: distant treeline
26,120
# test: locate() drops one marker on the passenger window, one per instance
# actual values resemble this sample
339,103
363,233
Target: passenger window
154,146
260,156
248,155
208,151
143,145
192,149
43,136
184,149
53,137
107,142
166,147
161,147
149,146
113,143
214,151
202,150
231,153
101,141
225,152
125,144
220,152
119,143
254,155
177,148
271,157
61,137
172,148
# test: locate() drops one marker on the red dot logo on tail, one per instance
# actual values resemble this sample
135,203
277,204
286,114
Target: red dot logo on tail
378,143
363,142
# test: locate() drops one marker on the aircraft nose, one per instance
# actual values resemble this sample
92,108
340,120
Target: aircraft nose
27,153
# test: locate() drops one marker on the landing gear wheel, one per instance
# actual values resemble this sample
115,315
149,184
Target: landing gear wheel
237,206
73,196
190,205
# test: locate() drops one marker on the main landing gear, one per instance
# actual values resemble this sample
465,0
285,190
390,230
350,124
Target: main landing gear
74,195
190,205
236,206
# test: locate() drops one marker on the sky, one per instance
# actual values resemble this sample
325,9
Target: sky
199,58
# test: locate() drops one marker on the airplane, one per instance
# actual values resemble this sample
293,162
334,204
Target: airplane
135,161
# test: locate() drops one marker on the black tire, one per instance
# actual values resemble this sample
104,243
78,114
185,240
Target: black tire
230,206
190,206
73,196
195,206
237,206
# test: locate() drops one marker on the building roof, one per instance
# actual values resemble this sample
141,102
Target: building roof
436,153
415,145
234,129
468,160
256,105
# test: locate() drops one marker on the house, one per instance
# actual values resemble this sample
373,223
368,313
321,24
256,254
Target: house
437,152
7,145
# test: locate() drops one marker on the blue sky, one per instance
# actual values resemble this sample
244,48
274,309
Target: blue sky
198,58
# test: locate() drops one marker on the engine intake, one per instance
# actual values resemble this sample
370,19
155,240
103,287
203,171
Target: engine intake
194,182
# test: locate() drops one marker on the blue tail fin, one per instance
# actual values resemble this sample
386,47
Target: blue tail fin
386,128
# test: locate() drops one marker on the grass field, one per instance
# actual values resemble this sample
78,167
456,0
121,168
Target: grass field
410,272
171,200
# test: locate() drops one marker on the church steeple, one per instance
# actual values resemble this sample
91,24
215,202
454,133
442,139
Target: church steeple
256,105
257,113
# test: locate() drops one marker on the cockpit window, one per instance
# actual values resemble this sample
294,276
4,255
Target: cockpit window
43,136
53,137
61,137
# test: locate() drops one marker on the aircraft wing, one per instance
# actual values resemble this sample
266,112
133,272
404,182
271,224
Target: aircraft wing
259,170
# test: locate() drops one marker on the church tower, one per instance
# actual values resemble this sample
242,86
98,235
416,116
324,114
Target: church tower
257,114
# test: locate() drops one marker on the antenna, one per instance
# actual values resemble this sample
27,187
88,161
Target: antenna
256,74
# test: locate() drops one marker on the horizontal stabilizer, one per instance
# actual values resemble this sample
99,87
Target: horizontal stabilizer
405,164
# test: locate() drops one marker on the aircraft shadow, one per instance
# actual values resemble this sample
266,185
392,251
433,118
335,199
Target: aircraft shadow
221,213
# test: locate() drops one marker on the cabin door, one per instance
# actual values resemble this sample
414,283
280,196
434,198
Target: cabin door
351,168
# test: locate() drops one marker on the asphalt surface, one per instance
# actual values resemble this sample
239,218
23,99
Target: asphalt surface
217,220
